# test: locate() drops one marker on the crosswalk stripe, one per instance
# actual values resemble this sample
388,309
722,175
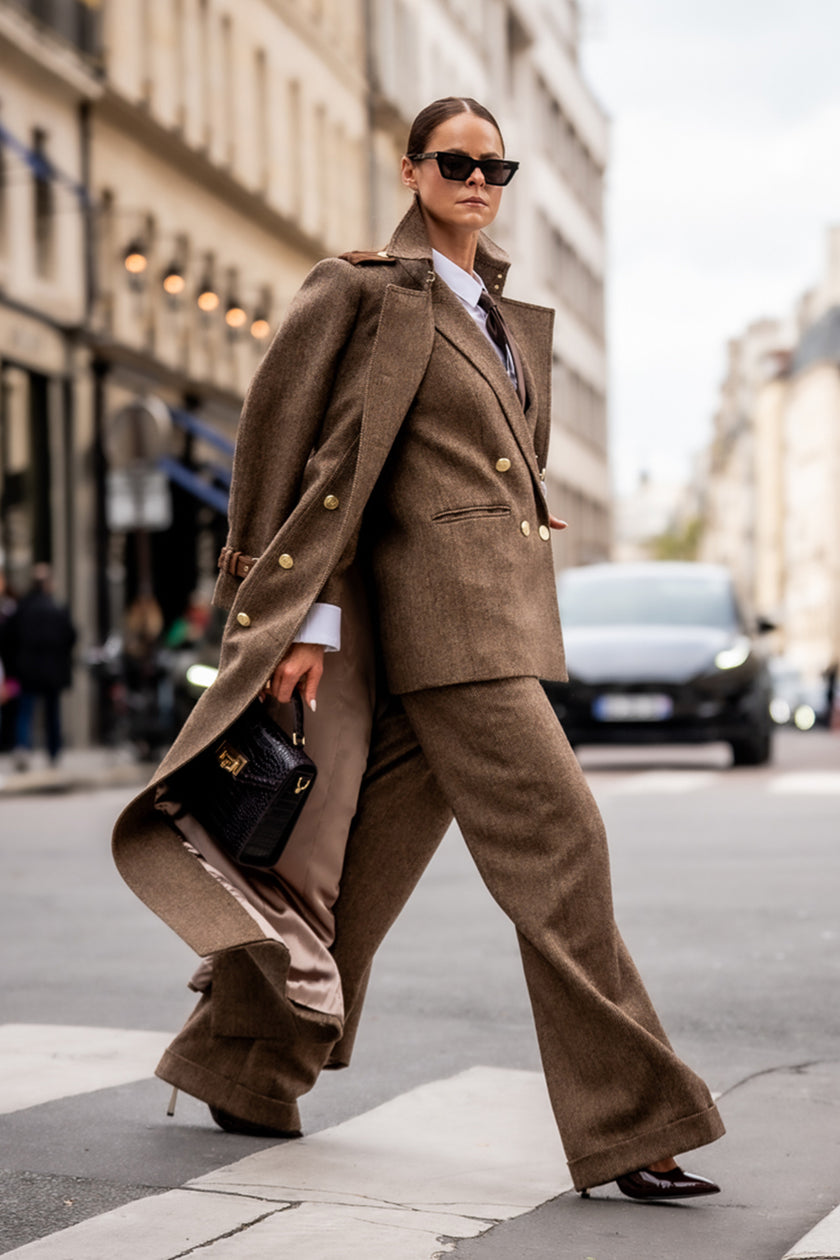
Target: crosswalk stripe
445,1160
43,1062
807,783
677,782
664,781
820,1243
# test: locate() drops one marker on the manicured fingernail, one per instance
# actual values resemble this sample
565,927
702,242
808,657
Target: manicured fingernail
313,704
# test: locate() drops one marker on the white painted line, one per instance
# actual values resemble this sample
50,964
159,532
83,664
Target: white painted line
807,783
482,1143
446,1160
316,1232
822,1243
156,1228
665,782
42,1062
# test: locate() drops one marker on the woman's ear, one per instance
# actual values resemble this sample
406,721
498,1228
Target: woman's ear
407,174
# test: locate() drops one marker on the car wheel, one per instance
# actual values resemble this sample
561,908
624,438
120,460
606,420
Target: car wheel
754,751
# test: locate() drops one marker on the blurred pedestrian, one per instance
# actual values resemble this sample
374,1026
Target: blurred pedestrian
388,480
8,685
40,638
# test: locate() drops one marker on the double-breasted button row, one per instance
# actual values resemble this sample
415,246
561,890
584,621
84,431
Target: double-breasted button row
543,531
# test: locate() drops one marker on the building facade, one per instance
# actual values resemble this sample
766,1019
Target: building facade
772,510
169,172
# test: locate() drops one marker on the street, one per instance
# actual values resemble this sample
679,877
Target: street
438,1139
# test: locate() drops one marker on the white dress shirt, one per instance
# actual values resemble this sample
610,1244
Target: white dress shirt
468,288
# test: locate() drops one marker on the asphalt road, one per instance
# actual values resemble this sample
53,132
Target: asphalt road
726,891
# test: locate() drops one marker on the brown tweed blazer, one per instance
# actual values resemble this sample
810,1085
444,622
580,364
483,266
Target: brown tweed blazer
375,363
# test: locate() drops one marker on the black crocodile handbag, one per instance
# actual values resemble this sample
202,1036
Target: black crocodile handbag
248,788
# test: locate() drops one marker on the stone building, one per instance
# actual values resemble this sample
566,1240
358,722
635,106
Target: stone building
732,492
169,172
772,506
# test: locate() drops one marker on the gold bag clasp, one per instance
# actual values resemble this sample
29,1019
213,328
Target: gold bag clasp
302,784
230,759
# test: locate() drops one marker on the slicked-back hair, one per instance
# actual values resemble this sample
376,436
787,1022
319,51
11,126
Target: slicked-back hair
440,112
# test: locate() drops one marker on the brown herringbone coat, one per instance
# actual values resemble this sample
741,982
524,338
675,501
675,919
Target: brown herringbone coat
370,356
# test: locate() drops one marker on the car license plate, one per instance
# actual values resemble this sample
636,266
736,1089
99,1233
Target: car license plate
639,708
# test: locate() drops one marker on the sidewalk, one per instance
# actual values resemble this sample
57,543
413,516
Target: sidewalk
78,770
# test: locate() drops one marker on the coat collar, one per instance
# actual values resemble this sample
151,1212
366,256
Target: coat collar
410,242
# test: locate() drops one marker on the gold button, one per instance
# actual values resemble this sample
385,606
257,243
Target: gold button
499,275
542,475
331,502
502,465
545,533
243,619
285,561
495,286
526,528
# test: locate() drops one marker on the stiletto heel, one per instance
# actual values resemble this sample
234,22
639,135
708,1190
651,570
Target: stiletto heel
170,1110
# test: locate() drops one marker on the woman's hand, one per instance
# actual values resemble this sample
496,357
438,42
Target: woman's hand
301,667
556,523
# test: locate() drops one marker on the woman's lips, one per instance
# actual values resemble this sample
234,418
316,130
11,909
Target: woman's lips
472,201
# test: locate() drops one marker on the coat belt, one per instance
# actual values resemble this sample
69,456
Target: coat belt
236,562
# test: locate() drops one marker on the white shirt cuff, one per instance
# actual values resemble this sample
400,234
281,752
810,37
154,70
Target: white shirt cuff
322,624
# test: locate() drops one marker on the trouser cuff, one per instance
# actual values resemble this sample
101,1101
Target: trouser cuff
682,1135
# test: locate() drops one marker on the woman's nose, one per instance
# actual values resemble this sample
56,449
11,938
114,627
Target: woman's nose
477,177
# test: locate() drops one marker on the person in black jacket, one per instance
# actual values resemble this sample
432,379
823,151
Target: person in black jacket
38,642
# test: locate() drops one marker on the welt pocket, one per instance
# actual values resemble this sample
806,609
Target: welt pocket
470,513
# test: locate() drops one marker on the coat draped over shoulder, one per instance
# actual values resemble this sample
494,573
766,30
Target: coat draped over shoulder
348,368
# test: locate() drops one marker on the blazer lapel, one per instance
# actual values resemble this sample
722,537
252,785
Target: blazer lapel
533,327
453,323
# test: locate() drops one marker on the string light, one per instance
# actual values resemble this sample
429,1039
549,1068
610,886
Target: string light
208,298
235,316
135,259
173,280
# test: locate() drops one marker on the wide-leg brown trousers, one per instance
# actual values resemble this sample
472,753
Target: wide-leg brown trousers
493,754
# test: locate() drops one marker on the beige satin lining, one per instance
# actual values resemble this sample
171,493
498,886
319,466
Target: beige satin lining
293,901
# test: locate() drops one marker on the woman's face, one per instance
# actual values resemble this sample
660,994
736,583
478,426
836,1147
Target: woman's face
470,205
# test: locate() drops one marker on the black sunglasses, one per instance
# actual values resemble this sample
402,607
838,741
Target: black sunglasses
459,166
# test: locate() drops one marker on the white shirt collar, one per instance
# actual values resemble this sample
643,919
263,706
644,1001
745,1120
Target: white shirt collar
465,285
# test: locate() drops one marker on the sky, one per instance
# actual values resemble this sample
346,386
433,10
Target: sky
723,178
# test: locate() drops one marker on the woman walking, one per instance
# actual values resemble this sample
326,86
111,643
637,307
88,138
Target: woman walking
389,553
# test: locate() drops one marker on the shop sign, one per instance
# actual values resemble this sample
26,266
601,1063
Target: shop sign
138,498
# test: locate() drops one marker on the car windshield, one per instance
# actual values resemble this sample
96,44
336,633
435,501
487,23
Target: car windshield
647,600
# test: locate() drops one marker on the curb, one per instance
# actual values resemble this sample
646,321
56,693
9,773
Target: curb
92,777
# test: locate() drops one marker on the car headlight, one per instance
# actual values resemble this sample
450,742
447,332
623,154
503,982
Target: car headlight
202,675
732,657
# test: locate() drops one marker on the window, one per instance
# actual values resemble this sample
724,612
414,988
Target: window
577,286
228,91
43,207
261,112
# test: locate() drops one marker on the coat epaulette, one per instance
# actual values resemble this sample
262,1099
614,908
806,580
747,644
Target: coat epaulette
361,256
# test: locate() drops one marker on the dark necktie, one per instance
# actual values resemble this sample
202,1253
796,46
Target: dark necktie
503,337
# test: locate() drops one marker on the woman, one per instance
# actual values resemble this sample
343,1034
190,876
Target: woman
388,475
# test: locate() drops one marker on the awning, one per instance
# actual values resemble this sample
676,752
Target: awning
211,481
201,429
190,481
